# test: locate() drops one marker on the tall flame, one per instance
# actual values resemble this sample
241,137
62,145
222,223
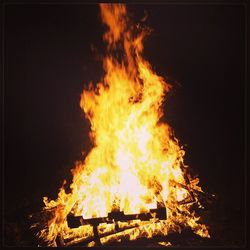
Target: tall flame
136,163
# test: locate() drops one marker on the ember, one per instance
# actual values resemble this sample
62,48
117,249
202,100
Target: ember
134,182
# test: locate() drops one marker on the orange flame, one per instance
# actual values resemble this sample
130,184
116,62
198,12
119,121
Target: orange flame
136,162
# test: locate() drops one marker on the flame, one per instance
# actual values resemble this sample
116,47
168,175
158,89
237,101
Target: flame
136,162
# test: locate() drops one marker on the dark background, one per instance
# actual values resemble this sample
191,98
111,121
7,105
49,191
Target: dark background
49,58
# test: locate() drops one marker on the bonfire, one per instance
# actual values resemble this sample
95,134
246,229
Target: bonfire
133,183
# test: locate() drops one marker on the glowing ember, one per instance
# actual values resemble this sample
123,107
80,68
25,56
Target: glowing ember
136,164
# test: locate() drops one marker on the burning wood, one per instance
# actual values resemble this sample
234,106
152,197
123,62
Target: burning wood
112,233
159,213
135,170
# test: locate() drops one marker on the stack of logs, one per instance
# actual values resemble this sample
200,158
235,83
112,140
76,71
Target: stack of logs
118,227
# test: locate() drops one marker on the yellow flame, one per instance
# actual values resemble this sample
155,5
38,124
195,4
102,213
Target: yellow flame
135,158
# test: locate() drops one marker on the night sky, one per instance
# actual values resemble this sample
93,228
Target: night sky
51,53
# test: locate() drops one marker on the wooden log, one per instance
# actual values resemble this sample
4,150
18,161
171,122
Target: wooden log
111,230
133,234
76,221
